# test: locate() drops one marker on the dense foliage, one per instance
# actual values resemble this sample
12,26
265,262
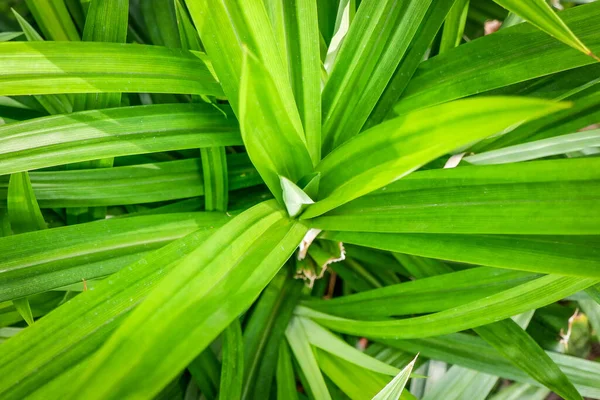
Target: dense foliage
290,199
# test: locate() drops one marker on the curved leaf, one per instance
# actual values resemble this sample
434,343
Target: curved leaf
527,296
512,55
203,294
397,147
89,135
89,67
35,262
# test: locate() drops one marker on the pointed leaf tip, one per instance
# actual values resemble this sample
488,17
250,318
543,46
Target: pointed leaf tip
393,390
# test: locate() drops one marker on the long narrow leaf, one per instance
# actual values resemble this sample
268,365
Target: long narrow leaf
516,345
391,150
512,55
35,262
90,135
539,13
268,130
88,67
227,272
233,362
524,297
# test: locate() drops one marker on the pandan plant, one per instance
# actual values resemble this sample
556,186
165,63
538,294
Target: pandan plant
299,199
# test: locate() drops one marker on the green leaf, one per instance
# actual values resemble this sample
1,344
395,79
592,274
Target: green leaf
106,21
540,14
512,55
53,103
90,135
25,216
461,383
133,184
376,43
206,291
560,205
35,262
397,147
286,381
454,26
229,29
393,390
422,295
187,32
55,349
294,198
298,340
519,348
417,51
23,210
53,18
472,352
269,130
566,255
23,307
527,296
357,383
161,22
8,36
88,67
215,179
538,149
303,59
324,339
265,331
419,267
521,391
233,362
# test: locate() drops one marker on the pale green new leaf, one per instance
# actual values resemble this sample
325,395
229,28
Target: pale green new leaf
324,339
298,340
89,135
397,147
393,390
539,13
209,289
89,67
294,198
273,137
538,149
